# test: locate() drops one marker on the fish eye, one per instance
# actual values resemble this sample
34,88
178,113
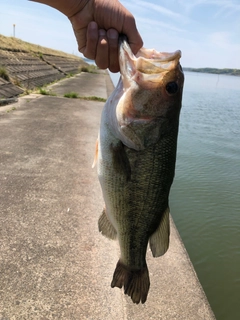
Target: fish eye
172,87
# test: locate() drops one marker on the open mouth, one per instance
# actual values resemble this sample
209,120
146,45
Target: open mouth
148,68
146,61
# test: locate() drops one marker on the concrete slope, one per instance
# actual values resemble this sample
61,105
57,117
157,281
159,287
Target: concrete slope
30,70
8,90
54,264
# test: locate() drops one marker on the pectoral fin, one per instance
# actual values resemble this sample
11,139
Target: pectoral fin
96,154
120,160
105,226
159,240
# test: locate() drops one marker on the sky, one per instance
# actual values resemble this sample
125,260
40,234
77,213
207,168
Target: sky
206,31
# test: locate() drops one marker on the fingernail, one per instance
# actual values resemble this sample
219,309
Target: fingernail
92,25
101,32
112,34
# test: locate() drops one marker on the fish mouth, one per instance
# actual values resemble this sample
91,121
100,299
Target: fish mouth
148,92
147,64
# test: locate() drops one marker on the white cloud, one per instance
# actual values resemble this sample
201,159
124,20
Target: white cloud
162,26
160,9
225,7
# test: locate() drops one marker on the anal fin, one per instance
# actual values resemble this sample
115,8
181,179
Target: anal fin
105,226
159,240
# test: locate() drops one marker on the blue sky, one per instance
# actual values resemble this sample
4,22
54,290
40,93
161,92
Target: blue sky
206,31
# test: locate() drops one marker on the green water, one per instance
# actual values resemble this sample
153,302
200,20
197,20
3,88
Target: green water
205,197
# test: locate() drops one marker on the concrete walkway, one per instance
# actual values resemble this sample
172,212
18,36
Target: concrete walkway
54,264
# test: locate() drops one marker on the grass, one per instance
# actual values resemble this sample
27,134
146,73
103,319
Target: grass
17,82
3,73
46,92
90,68
15,44
69,75
93,98
72,95
12,109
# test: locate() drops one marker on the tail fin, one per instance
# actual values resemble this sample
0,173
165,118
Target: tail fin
136,282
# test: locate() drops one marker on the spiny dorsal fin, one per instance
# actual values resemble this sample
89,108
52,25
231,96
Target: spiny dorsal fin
159,240
105,226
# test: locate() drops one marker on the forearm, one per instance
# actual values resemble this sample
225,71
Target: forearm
67,7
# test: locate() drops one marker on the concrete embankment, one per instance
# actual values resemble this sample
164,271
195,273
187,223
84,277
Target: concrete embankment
25,66
54,264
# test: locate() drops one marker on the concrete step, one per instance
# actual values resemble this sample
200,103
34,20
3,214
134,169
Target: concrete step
8,90
30,70
66,65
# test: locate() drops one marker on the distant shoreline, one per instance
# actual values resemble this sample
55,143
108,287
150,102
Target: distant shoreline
231,72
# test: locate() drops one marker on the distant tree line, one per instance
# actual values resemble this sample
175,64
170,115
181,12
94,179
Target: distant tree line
232,72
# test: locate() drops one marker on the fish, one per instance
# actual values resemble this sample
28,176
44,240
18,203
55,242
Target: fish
135,157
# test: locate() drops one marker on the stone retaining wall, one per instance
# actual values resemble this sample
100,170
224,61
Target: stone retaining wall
8,90
64,65
28,70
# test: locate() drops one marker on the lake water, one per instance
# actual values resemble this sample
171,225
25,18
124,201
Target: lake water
205,196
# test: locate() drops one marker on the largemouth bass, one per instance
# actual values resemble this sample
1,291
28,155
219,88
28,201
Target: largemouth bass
135,155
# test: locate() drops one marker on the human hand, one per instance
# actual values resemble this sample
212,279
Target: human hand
97,26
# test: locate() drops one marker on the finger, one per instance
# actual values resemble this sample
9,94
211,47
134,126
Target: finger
112,36
80,33
81,39
134,38
102,50
91,41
